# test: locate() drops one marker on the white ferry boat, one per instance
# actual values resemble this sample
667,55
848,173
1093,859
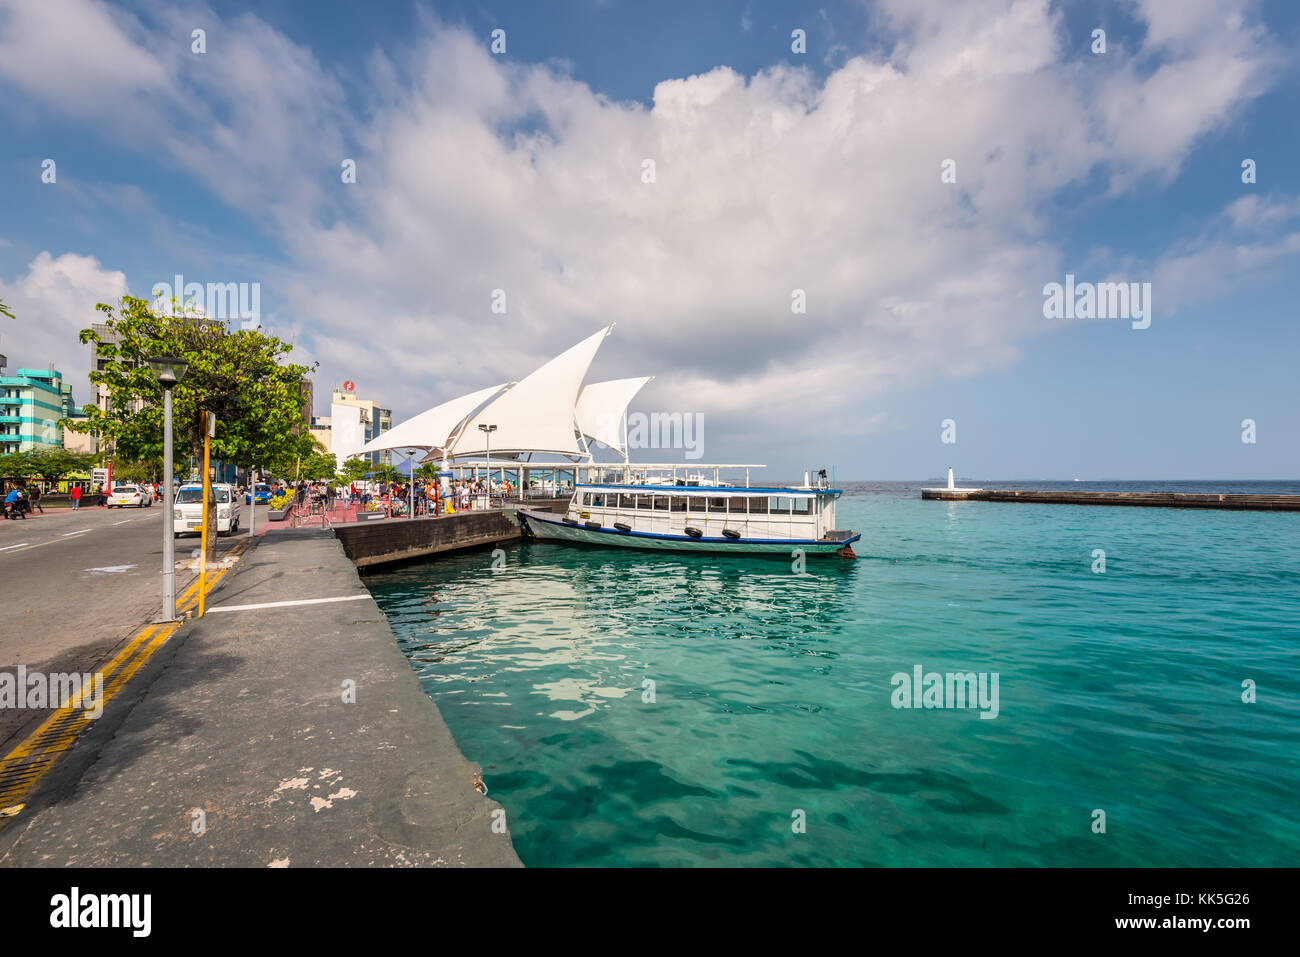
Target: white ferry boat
694,513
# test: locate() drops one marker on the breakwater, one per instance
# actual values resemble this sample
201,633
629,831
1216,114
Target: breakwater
1226,500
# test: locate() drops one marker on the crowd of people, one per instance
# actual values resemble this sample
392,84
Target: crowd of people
395,499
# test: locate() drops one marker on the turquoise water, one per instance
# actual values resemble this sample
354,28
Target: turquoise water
1119,691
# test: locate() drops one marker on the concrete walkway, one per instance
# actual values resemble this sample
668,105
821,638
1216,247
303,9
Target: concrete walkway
242,717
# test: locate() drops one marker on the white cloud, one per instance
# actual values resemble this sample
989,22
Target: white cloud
477,173
52,302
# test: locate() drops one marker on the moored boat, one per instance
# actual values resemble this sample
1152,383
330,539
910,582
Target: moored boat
666,513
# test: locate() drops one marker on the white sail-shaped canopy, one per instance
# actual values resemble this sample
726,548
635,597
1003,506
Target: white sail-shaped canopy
537,414
432,429
601,407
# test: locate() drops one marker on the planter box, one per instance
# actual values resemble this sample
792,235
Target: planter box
370,516
278,514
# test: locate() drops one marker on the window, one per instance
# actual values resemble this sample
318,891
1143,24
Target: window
717,505
779,505
758,505
596,500
803,506
679,503
737,505
627,501
699,503
661,502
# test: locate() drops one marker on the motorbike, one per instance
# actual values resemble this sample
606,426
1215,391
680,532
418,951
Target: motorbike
17,509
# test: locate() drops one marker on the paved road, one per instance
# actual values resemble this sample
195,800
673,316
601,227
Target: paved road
75,585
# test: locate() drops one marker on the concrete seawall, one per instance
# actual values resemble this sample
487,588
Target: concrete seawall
396,540
1268,503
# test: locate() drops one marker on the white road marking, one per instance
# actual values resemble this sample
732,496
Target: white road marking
286,604
7,547
70,534
111,569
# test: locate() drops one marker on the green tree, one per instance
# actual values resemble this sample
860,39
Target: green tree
319,465
427,472
54,464
4,310
15,467
240,376
354,470
150,470
385,473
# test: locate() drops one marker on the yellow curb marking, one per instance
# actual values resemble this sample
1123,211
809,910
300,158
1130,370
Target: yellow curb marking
23,767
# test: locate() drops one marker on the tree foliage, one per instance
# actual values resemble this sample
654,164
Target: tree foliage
147,471
51,465
385,473
319,465
427,472
239,376
354,470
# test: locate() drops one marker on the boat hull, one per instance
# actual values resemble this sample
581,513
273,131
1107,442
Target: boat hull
549,526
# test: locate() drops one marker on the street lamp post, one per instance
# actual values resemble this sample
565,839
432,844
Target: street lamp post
487,431
168,370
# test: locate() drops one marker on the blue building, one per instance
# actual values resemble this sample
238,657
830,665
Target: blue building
32,402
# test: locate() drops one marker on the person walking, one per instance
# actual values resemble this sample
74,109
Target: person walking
35,499
74,493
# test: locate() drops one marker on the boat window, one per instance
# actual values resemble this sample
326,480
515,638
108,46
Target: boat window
803,506
758,505
595,499
737,505
678,503
661,503
779,504
717,505
627,500
643,501
699,503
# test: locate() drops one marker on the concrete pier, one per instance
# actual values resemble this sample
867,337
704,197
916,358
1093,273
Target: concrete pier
284,729
1267,503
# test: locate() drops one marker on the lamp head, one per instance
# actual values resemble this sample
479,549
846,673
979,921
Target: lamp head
168,370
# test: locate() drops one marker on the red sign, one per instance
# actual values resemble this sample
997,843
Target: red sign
349,386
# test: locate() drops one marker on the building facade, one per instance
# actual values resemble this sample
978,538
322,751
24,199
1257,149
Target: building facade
352,423
32,403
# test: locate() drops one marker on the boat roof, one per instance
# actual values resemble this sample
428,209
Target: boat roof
687,489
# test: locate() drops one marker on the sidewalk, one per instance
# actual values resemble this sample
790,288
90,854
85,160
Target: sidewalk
244,720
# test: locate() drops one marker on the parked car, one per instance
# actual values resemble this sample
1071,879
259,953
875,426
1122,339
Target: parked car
187,516
125,495
262,493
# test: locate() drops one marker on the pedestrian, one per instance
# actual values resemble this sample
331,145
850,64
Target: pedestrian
75,494
35,498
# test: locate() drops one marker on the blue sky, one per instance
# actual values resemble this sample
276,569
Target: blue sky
776,170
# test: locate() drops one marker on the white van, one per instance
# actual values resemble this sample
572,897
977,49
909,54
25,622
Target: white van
188,513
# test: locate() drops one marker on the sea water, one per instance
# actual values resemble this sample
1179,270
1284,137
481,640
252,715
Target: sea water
634,708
